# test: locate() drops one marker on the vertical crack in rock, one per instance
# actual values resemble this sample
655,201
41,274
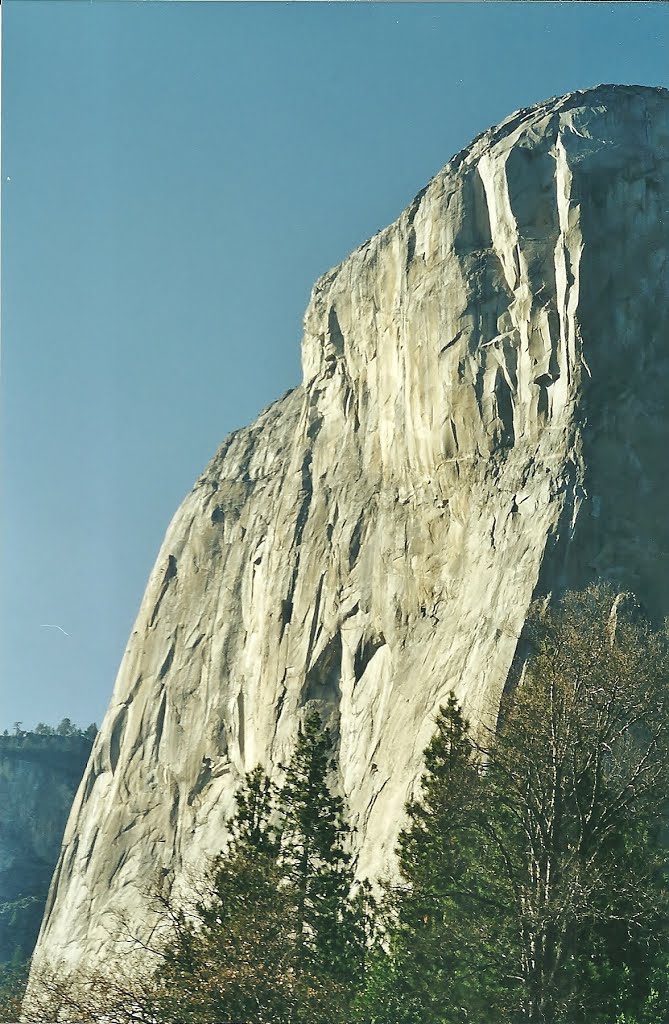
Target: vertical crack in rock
306,494
115,738
160,721
240,724
364,653
323,679
169,575
167,664
315,620
356,540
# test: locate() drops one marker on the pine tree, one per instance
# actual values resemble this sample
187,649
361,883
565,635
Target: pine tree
231,959
444,932
329,925
276,935
253,829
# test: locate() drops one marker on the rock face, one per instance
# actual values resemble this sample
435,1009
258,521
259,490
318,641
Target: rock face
39,776
483,418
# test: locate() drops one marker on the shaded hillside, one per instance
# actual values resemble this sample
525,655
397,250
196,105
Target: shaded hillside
39,775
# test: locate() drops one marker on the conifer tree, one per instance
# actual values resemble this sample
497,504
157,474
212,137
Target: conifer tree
444,929
329,925
275,935
231,960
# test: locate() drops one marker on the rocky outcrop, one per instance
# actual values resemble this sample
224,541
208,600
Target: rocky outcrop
39,776
483,417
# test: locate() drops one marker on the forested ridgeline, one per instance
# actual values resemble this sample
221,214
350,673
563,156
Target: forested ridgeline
65,747
531,883
63,738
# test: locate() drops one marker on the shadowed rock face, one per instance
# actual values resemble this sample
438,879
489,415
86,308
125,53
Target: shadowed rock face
483,417
39,776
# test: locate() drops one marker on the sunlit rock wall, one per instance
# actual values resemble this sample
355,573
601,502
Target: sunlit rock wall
483,417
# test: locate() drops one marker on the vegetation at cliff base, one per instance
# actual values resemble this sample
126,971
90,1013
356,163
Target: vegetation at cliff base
533,868
279,934
275,931
531,883
13,977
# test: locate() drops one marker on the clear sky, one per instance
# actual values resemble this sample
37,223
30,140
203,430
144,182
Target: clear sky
175,175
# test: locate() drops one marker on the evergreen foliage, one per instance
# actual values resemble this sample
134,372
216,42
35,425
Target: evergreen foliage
534,859
532,882
66,743
64,729
275,934
446,925
329,935
13,977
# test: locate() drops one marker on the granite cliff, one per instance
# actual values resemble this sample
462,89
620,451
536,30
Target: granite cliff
483,418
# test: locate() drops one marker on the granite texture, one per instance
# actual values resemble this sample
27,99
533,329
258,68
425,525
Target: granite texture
483,418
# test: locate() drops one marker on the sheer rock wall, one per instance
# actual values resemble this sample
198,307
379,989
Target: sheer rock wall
483,417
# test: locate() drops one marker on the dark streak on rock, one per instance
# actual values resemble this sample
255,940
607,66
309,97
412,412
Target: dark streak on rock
170,574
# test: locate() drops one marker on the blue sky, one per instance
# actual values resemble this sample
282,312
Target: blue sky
174,178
